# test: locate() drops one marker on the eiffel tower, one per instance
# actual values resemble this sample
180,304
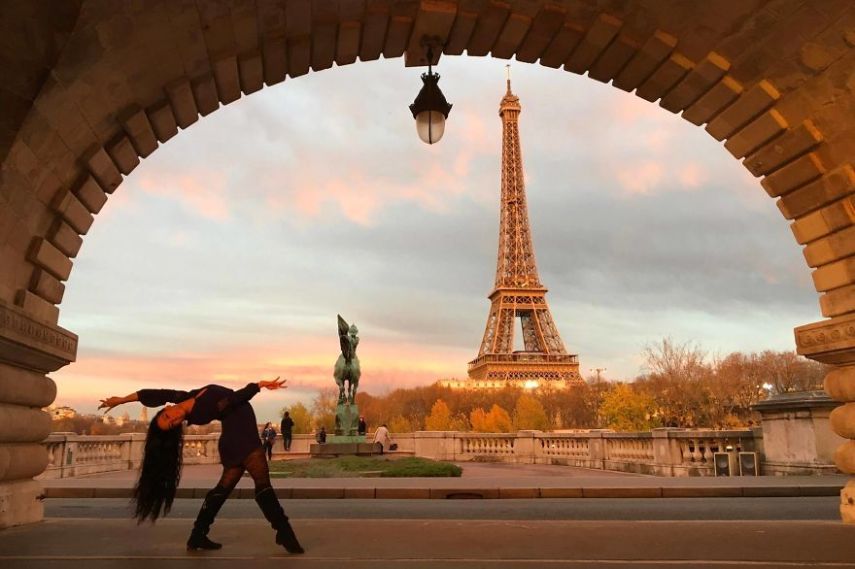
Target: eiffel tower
518,292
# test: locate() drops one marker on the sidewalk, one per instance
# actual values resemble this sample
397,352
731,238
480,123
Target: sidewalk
478,481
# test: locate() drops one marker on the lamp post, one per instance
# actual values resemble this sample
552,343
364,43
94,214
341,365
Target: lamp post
430,109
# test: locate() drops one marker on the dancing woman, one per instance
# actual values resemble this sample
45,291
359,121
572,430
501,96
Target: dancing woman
240,450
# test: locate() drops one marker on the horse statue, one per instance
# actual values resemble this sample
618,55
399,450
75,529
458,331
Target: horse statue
347,365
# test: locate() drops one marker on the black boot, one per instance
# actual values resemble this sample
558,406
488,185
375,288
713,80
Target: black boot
210,507
272,510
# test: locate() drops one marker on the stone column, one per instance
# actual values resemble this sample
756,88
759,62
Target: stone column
29,349
832,341
796,432
666,451
524,447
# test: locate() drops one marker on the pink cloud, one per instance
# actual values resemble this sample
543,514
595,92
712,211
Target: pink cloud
201,191
641,178
692,175
307,362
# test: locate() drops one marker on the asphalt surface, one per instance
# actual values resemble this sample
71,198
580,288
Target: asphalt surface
784,508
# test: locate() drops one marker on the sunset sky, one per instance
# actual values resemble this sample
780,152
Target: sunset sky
227,254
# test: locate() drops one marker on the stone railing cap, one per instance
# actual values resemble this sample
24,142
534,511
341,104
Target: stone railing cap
796,400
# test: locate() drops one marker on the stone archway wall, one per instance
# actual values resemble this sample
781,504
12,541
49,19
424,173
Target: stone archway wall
774,80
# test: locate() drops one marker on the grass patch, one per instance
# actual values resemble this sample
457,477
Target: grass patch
361,466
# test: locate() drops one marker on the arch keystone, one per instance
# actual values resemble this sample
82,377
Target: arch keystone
434,20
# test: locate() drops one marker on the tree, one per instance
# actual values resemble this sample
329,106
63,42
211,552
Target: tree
399,424
499,421
478,420
301,416
625,409
439,418
529,414
323,407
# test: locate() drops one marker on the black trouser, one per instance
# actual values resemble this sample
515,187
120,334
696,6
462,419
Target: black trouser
256,464
268,447
287,437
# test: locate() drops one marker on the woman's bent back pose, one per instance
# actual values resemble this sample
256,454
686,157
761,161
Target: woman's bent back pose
240,450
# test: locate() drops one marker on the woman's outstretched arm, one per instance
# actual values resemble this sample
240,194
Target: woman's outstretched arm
111,402
148,397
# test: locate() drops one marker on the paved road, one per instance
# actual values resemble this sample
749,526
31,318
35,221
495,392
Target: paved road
436,544
807,508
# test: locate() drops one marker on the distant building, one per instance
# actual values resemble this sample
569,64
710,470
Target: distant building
123,420
473,383
144,415
57,413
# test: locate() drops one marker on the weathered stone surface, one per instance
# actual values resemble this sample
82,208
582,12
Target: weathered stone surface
347,45
757,133
795,174
205,94
838,301
562,45
834,185
227,79
834,275
47,286
487,28
847,503
22,424
48,257
124,155
39,308
614,58
183,105
599,35
665,77
23,387
434,20
275,60
784,149
844,457
251,73
101,166
140,133
699,80
713,101
162,121
830,341
751,104
829,219
843,420
73,211
31,343
22,461
544,27
651,55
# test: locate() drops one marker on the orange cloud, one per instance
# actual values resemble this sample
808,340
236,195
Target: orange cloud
202,191
641,178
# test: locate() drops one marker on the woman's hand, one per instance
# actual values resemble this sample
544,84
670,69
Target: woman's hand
273,384
110,402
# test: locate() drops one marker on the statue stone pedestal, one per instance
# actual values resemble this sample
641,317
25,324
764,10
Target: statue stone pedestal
345,441
346,423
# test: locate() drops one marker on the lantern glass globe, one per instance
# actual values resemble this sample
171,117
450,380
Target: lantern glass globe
430,125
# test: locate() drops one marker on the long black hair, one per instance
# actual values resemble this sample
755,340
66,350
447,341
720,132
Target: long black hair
160,472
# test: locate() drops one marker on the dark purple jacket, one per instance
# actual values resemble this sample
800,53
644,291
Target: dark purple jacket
231,408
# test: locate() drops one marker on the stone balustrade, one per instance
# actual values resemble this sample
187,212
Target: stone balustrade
661,452
78,455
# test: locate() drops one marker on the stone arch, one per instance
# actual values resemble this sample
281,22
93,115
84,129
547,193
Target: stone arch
771,79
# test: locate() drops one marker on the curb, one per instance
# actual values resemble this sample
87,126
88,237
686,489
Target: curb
477,493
